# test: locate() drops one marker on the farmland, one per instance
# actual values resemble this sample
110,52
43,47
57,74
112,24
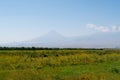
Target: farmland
63,64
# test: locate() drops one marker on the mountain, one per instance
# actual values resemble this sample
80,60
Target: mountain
103,39
51,36
51,39
55,39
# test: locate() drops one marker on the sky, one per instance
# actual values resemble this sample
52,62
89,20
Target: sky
22,20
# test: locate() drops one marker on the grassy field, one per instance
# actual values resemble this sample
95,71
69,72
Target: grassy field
60,64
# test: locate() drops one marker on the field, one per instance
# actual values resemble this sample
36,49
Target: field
103,64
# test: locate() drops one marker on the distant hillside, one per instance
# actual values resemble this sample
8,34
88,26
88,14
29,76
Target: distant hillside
55,39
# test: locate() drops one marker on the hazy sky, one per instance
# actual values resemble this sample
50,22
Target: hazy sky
26,19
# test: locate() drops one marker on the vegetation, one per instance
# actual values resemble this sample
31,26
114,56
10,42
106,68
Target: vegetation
59,64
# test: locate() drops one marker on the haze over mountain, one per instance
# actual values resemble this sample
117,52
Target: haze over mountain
55,39
76,23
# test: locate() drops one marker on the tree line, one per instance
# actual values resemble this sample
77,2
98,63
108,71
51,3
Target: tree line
45,48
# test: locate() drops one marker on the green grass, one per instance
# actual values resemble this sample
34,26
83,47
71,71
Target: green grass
59,65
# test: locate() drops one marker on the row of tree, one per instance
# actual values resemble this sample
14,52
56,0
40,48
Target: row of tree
45,48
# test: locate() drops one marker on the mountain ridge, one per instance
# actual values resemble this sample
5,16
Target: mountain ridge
55,39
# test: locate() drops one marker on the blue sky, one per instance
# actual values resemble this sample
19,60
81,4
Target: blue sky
26,19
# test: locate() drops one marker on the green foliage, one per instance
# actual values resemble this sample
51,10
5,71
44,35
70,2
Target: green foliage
115,69
59,64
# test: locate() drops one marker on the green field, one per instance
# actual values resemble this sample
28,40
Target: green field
60,64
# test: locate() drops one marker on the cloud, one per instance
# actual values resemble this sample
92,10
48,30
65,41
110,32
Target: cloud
91,26
104,28
115,28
